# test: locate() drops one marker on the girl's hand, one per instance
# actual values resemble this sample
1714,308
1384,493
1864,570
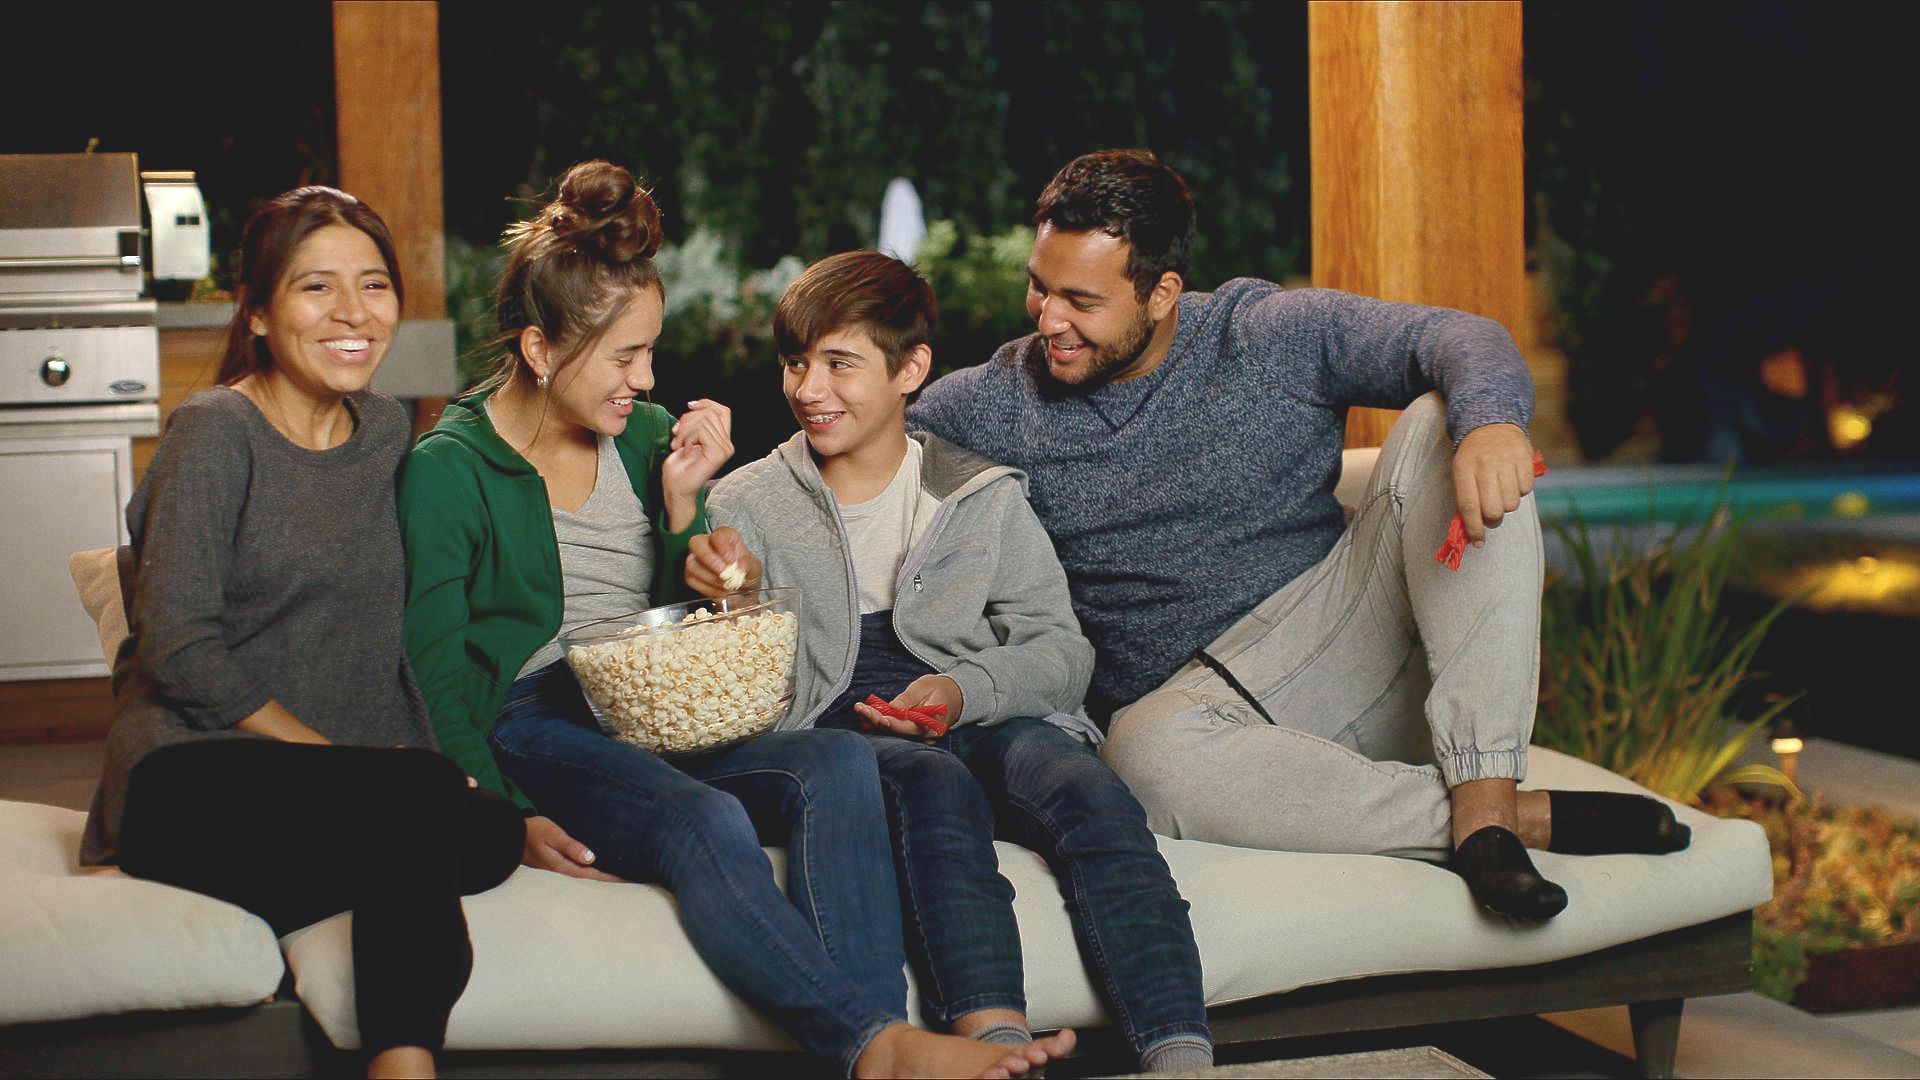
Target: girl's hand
702,442
710,554
549,847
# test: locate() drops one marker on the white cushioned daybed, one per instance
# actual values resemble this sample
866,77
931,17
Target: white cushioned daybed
1291,944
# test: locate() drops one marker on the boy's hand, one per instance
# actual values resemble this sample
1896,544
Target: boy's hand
710,554
925,690
702,442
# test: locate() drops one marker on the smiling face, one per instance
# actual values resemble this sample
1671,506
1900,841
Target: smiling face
1095,327
332,315
595,389
846,402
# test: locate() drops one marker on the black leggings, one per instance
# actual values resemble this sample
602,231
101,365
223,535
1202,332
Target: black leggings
295,833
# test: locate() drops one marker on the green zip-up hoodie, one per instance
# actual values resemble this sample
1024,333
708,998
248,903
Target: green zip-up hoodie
483,567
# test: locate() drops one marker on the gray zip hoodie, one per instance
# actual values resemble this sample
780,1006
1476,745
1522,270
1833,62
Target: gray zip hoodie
981,598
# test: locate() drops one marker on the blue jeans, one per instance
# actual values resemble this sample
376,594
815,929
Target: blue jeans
1035,785
826,965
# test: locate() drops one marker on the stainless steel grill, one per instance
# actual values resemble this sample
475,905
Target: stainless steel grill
79,379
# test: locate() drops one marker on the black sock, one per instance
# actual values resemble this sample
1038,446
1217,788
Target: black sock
1502,877
1609,822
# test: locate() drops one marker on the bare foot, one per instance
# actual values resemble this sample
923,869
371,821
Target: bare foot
398,1062
1477,804
906,1051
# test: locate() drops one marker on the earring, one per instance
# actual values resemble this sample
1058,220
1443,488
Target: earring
541,382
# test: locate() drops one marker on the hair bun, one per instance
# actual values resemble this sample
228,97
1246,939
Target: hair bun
604,211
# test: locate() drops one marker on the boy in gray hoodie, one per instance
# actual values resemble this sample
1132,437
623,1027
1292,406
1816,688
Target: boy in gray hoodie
936,617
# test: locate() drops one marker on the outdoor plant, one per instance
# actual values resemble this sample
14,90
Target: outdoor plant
1845,877
1641,671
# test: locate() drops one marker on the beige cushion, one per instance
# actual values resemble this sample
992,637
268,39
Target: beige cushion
560,963
76,944
96,576
1356,468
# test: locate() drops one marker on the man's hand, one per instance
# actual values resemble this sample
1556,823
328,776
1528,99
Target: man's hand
925,690
549,847
709,555
1492,469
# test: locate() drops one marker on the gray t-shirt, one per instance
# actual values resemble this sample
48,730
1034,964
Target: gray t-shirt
606,554
265,572
881,530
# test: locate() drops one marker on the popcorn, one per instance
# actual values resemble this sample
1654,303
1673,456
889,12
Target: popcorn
733,577
710,679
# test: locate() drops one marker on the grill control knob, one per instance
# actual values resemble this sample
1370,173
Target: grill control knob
56,371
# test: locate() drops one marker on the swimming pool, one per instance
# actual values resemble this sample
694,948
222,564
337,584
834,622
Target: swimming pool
1629,495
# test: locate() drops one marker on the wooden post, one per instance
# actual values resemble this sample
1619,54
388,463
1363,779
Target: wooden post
386,72
1418,192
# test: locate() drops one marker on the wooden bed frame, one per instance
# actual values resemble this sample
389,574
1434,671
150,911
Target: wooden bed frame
1653,977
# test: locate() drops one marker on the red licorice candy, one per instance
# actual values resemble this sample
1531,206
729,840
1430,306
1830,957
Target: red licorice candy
1456,543
930,717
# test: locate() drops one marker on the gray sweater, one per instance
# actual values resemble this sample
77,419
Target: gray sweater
980,598
1179,500
264,571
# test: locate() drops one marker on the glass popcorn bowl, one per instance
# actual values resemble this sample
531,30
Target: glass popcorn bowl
691,677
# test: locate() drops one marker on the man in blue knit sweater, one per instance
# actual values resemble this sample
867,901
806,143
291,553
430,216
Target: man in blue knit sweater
1271,675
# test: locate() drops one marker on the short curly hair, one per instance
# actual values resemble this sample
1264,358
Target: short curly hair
1133,196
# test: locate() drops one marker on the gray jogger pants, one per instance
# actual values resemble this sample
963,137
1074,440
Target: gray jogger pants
1384,678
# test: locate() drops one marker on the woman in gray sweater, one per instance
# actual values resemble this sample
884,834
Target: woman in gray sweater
271,748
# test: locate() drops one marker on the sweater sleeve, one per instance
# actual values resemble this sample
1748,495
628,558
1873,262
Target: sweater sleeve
442,528
1384,354
196,490
1043,663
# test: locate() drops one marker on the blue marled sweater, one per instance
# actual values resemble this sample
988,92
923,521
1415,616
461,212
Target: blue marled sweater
1180,500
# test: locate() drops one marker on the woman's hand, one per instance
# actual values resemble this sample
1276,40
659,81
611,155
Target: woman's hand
925,690
549,847
709,555
275,722
702,442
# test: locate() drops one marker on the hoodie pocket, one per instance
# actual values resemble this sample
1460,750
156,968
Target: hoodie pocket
957,557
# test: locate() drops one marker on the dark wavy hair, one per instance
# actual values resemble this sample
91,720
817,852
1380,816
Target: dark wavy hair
573,267
1131,195
272,235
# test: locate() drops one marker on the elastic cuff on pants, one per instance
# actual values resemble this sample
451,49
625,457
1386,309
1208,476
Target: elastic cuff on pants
1469,765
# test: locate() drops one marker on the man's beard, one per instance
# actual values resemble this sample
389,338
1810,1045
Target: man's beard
1103,361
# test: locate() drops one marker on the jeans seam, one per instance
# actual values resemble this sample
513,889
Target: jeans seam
1095,945
911,909
1345,616
797,829
706,852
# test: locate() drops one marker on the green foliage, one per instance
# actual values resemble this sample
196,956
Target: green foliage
1640,671
1779,962
1843,878
980,282
473,273
777,129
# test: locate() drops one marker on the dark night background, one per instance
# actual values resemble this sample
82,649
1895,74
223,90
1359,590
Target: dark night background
1713,188
1706,179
